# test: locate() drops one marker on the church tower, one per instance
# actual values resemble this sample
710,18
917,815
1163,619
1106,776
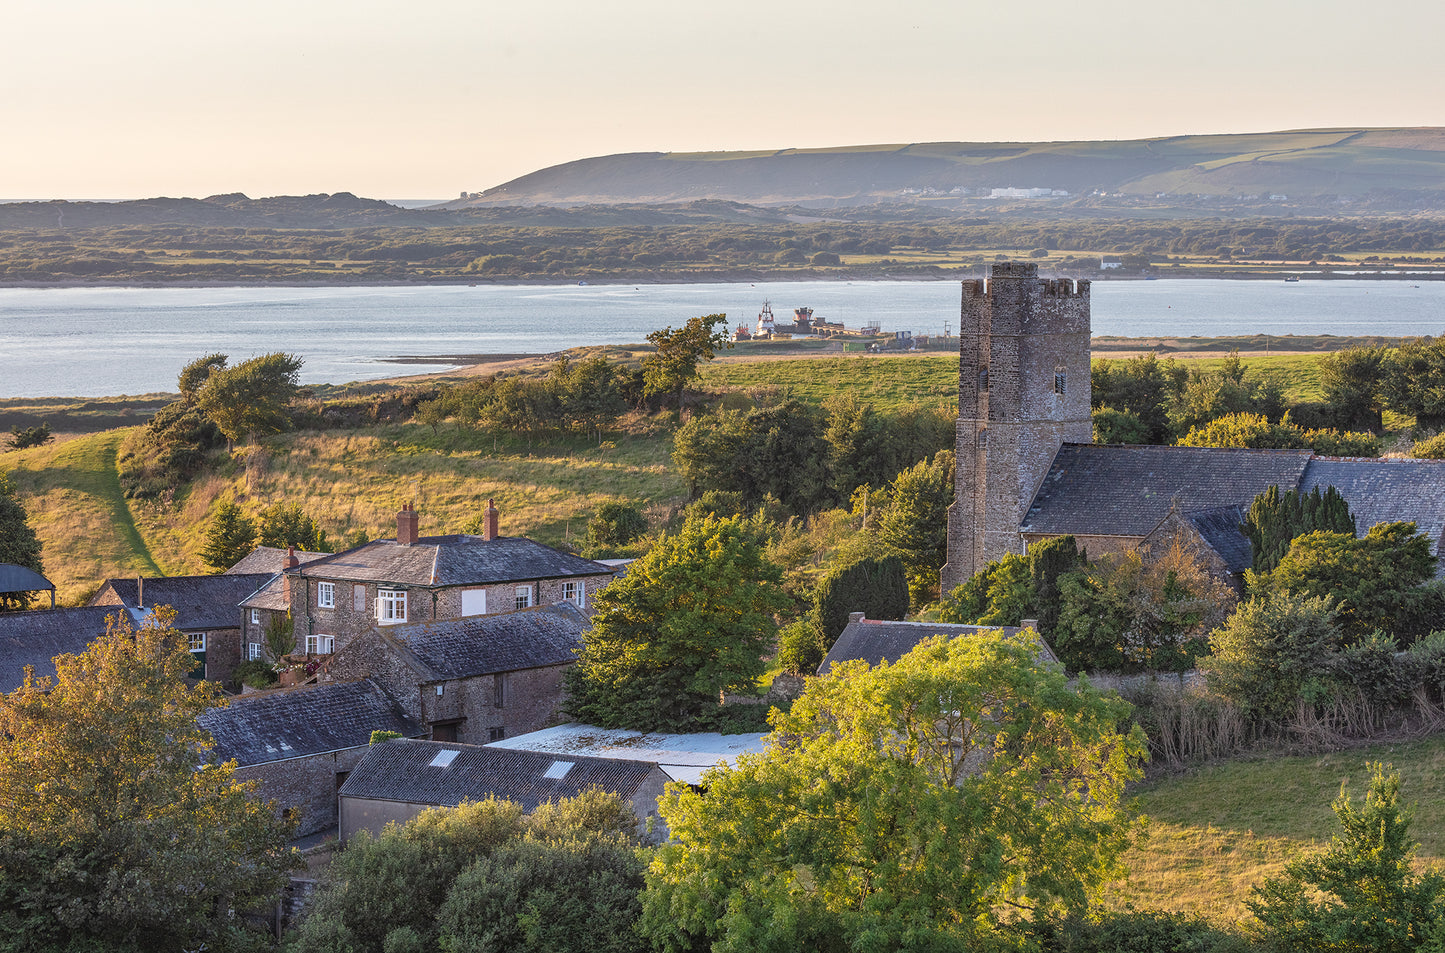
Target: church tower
1023,391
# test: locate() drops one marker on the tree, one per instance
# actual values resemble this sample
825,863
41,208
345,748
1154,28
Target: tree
1359,895
23,437
875,586
1351,381
615,524
901,807
1273,651
1375,579
231,537
19,546
589,393
253,397
915,522
1275,519
284,524
116,830
1414,382
195,375
691,618
678,354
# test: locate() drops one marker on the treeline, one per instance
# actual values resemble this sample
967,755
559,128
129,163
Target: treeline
173,252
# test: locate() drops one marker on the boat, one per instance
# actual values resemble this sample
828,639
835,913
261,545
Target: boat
1291,277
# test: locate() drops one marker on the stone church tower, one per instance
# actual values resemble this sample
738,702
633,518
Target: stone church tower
1023,391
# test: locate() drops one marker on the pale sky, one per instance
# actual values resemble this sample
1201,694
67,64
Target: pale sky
408,99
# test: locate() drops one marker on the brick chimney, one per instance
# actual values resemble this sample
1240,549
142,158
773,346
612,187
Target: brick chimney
406,526
291,561
489,522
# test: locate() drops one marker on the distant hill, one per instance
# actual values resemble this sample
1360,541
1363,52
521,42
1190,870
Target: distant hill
1395,169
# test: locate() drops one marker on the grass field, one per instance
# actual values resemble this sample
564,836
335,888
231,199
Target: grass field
1217,831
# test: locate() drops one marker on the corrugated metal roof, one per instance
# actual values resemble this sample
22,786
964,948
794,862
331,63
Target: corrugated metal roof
406,771
684,757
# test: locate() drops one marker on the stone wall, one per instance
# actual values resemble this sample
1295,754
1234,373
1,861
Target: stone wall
1023,391
304,786
531,700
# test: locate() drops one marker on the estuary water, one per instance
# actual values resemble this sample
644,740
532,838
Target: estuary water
95,342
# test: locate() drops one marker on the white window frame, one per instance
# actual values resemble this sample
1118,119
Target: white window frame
326,595
523,598
255,616
319,644
390,606
575,593
197,641
255,652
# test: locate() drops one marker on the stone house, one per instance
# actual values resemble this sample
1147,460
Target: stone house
397,780
206,611
301,743
335,599
473,679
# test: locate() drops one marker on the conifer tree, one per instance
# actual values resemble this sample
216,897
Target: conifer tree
232,535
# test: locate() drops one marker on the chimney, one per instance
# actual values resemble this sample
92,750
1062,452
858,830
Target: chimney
406,522
291,561
855,617
140,591
489,522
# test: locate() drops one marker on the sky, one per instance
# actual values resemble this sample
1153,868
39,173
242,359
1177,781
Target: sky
418,99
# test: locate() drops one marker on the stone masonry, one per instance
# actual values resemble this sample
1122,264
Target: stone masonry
1023,391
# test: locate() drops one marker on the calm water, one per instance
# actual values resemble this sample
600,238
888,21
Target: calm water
92,342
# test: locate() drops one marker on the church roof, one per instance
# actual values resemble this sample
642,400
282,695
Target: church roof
1385,491
1219,527
1112,490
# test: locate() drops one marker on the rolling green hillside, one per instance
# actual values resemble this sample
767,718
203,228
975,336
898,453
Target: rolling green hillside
1299,164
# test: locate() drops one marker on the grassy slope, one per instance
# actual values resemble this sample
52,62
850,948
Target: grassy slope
73,497
1217,831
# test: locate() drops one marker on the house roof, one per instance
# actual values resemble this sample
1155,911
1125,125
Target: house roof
485,644
684,757
455,560
1385,491
1098,490
15,578
1219,527
292,723
201,602
269,559
876,641
445,774
271,595
34,638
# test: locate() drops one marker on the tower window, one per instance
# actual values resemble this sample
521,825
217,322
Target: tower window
983,378
1059,382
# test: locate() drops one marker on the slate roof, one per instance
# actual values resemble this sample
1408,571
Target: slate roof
486,644
269,559
402,771
1219,528
1385,491
15,578
1096,490
34,638
874,641
271,595
201,602
292,723
455,560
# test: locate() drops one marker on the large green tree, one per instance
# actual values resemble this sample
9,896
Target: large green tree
678,353
117,832
915,522
1414,382
254,397
1361,894
691,618
1351,381
285,524
1275,519
19,545
230,537
902,807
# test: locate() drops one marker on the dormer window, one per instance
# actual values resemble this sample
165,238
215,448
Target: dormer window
390,606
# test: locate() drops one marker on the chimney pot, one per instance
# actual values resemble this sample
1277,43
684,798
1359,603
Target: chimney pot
406,525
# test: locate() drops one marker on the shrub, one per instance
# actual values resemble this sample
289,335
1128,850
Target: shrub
255,673
800,647
1431,448
615,524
